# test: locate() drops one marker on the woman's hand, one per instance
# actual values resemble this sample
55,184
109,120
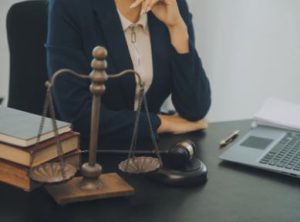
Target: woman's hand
165,10
178,125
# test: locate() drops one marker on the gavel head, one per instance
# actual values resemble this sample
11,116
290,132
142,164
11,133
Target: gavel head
180,155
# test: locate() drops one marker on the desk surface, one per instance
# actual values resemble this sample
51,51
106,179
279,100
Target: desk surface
232,193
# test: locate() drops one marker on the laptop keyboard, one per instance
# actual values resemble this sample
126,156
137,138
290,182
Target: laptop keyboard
285,154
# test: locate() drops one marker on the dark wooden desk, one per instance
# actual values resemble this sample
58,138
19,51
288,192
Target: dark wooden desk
232,193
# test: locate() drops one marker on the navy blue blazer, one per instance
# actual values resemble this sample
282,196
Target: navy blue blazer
76,26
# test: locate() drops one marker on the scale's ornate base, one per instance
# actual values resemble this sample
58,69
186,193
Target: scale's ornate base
112,185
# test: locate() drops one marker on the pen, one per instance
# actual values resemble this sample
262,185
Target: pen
229,139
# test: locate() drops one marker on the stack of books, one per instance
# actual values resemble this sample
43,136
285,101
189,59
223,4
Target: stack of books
19,151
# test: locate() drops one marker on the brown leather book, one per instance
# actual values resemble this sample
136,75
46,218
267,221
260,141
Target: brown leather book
18,175
42,152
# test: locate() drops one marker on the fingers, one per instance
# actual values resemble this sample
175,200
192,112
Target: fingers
178,125
151,4
186,126
147,5
136,3
197,125
203,124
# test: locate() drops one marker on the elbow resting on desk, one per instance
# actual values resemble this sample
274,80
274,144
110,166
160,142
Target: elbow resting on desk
194,111
187,120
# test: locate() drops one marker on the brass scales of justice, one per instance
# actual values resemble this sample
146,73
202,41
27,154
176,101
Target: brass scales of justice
60,178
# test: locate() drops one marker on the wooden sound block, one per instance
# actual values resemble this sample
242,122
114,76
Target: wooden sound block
112,185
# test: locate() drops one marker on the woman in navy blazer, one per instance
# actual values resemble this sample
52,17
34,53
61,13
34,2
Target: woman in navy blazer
76,26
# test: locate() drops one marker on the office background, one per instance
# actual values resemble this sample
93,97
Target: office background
250,50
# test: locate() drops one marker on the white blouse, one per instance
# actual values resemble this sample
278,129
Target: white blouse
139,44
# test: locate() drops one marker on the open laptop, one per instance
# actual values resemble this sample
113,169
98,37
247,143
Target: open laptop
267,148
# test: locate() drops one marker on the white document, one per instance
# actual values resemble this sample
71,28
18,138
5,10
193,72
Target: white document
279,113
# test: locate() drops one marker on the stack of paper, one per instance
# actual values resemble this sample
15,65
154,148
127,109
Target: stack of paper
279,113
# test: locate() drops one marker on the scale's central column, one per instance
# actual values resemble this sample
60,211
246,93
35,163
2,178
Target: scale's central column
92,184
91,171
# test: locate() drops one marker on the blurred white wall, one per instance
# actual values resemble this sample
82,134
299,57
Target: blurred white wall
250,50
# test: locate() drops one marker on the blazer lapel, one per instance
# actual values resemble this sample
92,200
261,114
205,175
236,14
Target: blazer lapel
158,35
109,21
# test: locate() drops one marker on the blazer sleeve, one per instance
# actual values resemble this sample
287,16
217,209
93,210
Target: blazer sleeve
72,96
191,93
